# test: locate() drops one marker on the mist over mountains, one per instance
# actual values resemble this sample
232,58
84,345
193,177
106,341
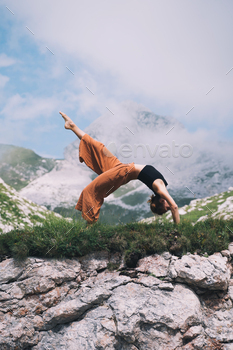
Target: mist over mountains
195,165
135,134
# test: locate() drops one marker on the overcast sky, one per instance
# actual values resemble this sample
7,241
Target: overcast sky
166,55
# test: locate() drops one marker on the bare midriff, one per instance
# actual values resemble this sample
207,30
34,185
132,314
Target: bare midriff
139,167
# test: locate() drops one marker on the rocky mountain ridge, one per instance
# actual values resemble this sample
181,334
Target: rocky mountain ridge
165,302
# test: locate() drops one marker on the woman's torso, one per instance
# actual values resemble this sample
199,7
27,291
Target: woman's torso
157,183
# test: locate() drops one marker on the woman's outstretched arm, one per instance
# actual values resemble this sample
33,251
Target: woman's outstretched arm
173,206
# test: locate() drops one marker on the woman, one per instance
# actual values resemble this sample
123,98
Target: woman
113,174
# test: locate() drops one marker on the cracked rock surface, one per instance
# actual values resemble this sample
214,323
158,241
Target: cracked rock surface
163,303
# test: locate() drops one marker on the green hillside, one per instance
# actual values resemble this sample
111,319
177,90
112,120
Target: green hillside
218,206
19,166
19,212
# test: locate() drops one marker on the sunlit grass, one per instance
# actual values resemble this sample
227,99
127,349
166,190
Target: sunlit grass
60,238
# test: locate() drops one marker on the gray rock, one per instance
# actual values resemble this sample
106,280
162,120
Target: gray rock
148,281
199,343
226,253
230,248
95,261
166,256
73,309
230,292
144,316
220,325
228,346
35,285
58,271
109,280
95,331
79,304
9,270
11,291
193,332
156,264
15,334
143,321
166,286
212,272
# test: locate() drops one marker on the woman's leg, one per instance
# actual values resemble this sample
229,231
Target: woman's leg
69,124
95,155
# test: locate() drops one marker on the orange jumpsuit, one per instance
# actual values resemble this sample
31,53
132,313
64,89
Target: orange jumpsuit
112,174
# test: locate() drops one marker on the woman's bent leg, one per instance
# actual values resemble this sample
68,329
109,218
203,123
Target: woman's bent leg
95,155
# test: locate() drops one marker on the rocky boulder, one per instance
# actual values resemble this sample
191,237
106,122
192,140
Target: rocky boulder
81,304
211,273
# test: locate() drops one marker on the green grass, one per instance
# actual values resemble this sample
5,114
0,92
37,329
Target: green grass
35,218
226,195
207,209
59,238
18,165
135,199
109,214
123,190
9,205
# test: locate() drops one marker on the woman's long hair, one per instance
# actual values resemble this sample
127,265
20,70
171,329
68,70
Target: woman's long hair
155,206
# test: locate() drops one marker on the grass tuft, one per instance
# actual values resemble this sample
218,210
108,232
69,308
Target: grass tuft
60,238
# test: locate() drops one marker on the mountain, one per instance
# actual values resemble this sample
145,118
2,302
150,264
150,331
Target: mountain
17,211
132,124
195,165
61,187
218,206
19,166
135,134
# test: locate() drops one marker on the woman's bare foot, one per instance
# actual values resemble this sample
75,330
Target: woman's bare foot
69,124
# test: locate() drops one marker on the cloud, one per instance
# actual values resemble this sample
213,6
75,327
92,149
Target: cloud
28,107
197,160
6,61
26,119
3,80
165,55
170,52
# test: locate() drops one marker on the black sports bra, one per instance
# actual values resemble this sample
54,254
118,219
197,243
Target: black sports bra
149,174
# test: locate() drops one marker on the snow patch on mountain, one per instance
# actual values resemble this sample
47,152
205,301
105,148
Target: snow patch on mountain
60,187
19,212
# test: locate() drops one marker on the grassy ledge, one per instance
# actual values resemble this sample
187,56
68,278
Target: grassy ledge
60,238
